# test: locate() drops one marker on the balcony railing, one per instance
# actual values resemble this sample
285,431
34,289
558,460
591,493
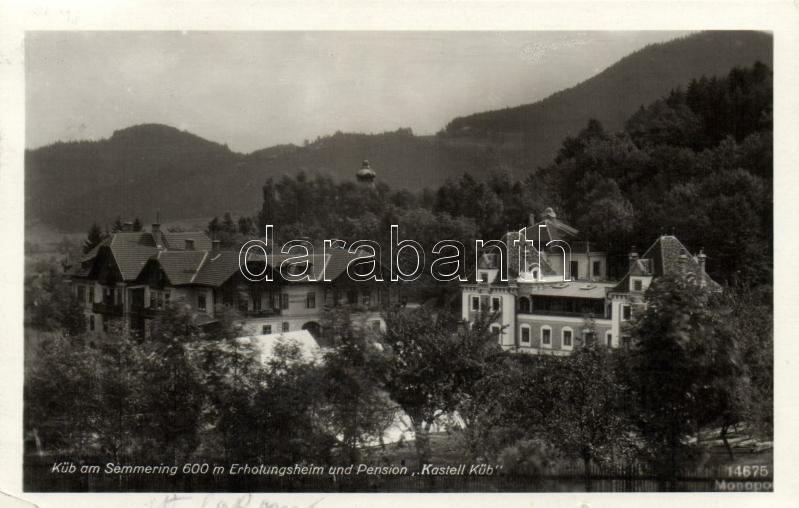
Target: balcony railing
261,312
109,309
145,312
564,313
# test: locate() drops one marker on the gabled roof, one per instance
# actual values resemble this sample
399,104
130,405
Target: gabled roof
177,241
666,256
132,249
131,252
217,268
181,266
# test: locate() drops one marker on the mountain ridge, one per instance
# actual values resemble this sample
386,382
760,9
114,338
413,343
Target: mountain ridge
151,167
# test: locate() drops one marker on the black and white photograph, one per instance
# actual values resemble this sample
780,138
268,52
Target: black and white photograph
398,261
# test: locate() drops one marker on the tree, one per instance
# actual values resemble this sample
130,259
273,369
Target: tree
172,391
93,238
433,362
118,226
357,408
50,303
586,421
682,356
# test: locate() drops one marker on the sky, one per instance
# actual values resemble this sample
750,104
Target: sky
252,90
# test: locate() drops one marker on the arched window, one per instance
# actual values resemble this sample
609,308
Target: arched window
609,338
524,304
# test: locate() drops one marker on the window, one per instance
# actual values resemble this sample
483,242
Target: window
625,313
266,329
91,294
625,342
495,329
589,336
284,301
637,285
201,302
285,326
166,298
609,339
256,299
546,336
483,276
575,270
105,325
525,334
352,296
366,299
475,303
81,293
568,341
310,301
495,304
91,322
524,304
376,325
597,269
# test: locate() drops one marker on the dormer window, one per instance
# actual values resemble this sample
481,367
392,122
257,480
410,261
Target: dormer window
484,276
637,285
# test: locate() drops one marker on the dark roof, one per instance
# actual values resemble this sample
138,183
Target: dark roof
131,252
181,266
217,268
666,256
177,241
132,249
532,252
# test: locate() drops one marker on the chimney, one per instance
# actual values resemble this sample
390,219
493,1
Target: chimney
215,246
531,219
156,231
633,256
702,258
189,244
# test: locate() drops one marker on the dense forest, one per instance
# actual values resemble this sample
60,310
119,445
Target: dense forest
696,163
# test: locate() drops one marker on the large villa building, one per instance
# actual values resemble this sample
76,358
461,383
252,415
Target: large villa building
558,295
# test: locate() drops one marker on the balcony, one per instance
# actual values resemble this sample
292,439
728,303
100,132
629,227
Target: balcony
144,312
564,313
256,313
107,308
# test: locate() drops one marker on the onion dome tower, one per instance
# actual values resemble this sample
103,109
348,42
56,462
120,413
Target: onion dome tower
366,176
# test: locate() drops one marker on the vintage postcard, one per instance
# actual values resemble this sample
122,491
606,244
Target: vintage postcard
285,263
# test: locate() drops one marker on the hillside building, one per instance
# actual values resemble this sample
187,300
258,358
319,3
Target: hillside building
558,295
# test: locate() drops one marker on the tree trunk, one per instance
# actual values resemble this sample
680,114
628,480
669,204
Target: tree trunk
727,446
422,442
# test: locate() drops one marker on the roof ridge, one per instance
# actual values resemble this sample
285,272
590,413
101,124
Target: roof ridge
202,262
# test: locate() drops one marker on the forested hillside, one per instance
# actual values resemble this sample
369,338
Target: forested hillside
148,168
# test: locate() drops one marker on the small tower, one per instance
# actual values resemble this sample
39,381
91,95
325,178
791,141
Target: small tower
366,176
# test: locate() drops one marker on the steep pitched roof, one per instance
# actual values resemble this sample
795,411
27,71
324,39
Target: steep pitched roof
177,241
666,256
181,266
132,249
131,252
217,268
